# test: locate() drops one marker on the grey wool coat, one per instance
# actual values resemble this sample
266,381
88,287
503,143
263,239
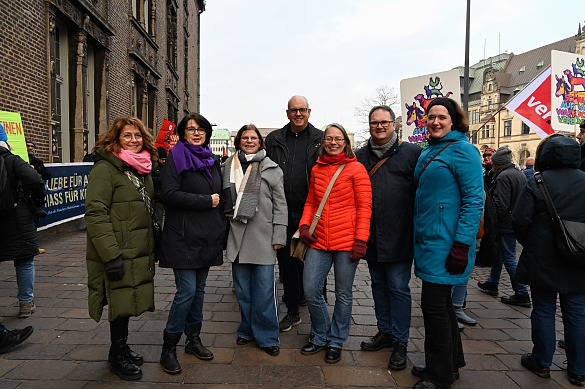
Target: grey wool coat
254,241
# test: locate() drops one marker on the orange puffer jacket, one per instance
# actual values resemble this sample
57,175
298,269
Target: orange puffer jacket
347,212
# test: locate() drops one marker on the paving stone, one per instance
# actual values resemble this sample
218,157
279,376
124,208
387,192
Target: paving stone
43,370
291,376
356,376
224,374
485,380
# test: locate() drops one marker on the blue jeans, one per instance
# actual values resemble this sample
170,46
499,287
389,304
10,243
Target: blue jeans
258,299
187,307
392,301
458,295
507,249
317,265
544,306
25,279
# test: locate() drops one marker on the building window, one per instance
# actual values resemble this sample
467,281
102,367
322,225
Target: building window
525,129
474,116
490,104
171,35
507,128
474,137
490,87
143,12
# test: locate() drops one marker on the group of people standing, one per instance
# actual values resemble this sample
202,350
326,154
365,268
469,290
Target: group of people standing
390,203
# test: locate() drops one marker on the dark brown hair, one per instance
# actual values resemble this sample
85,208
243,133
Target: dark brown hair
241,131
201,122
458,115
110,140
348,151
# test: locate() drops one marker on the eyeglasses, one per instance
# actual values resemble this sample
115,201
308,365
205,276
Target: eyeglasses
338,139
194,130
299,110
129,137
385,124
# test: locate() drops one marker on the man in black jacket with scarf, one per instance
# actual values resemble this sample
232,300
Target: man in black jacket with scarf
294,148
390,247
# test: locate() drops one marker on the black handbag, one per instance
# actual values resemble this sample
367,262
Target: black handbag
569,235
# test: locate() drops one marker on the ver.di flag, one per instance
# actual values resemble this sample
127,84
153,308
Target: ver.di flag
532,104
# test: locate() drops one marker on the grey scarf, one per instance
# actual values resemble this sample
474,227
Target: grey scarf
241,191
380,150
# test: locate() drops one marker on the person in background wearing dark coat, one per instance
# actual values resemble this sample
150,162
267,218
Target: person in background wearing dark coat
544,268
194,234
294,148
529,171
507,185
581,138
18,237
120,236
157,181
390,247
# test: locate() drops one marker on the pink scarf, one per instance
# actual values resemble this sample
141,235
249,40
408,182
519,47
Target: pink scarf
140,161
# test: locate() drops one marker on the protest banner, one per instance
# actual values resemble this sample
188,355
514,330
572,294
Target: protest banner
65,195
12,124
567,91
166,136
417,93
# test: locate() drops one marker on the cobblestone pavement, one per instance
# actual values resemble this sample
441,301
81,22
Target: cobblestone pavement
69,350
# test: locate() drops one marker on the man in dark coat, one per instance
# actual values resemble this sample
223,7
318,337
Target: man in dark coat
507,185
390,247
18,237
294,148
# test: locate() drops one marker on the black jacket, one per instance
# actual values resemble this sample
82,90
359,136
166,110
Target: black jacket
540,265
18,234
278,151
39,166
194,232
507,185
393,192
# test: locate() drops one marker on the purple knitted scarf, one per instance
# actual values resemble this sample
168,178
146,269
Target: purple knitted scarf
191,157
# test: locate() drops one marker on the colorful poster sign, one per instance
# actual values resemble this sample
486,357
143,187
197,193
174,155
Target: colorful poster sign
166,136
567,91
417,93
65,195
12,124
532,104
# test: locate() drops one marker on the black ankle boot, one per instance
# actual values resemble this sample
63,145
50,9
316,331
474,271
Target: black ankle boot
120,363
194,345
168,357
135,358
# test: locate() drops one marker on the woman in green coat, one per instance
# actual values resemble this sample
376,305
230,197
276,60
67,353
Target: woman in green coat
120,243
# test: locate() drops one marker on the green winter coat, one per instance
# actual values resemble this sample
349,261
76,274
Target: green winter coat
118,224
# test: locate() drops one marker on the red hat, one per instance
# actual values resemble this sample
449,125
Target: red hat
489,151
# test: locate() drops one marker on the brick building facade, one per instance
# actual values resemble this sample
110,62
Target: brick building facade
71,66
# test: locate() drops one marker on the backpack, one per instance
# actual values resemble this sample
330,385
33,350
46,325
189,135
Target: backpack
7,195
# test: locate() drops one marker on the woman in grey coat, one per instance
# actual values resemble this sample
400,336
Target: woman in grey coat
256,206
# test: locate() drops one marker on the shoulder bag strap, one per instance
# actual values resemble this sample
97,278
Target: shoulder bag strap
322,205
145,197
431,160
380,163
547,199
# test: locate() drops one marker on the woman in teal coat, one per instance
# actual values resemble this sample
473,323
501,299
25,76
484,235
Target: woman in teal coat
448,206
120,244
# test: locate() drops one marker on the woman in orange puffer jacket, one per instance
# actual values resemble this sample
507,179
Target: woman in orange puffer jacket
339,240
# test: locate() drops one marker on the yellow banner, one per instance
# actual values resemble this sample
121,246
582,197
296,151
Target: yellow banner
13,126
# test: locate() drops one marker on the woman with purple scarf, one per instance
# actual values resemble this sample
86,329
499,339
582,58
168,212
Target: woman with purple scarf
193,235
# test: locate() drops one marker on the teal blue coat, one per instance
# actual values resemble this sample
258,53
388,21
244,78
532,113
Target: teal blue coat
448,205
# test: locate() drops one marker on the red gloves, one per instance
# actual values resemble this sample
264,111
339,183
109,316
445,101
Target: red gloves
305,237
358,251
457,258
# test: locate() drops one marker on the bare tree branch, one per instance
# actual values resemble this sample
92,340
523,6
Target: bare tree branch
385,95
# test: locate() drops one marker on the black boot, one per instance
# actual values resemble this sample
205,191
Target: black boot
194,345
120,363
119,330
168,357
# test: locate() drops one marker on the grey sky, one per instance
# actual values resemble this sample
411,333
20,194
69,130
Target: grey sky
256,54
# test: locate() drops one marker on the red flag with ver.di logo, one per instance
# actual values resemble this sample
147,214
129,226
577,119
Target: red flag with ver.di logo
533,106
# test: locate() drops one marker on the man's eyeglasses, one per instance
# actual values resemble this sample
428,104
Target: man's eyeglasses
193,130
385,124
299,110
128,137
330,139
